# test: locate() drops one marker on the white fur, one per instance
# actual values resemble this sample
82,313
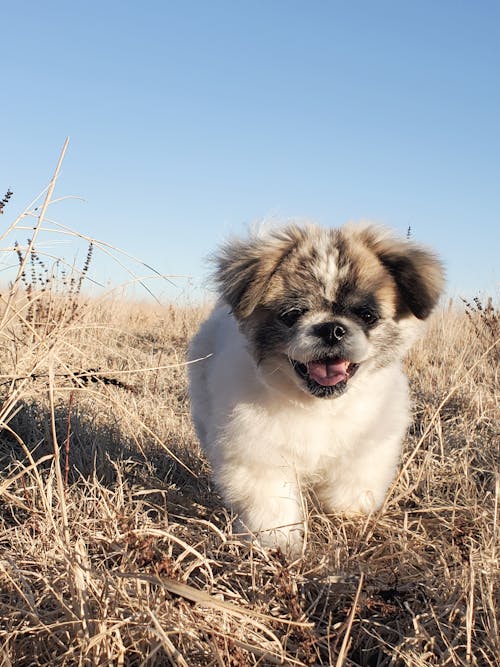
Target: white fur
265,444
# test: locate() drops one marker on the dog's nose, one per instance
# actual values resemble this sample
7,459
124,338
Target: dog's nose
330,332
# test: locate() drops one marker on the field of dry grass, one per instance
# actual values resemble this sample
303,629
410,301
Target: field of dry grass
115,548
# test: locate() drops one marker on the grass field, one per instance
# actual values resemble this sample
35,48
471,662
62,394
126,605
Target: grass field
115,548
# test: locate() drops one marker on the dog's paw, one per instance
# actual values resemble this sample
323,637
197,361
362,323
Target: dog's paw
362,502
290,539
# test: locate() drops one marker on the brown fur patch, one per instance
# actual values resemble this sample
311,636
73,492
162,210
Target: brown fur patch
417,272
245,268
289,265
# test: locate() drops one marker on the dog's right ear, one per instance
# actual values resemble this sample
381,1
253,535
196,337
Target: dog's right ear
246,267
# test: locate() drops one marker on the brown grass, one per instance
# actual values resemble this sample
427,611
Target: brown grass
115,548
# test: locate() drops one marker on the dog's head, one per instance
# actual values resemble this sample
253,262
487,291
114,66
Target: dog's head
318,306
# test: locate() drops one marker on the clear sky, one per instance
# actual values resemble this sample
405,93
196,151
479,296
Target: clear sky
190,119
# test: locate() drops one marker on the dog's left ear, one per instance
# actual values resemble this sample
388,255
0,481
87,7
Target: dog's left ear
417,271
244,268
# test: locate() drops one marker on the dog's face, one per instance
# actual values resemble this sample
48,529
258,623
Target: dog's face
320,306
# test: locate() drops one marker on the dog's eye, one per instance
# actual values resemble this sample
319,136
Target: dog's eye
289,317
368,316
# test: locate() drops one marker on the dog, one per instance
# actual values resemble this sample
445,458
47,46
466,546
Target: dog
296,375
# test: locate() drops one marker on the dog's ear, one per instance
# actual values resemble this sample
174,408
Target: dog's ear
417,271
244,268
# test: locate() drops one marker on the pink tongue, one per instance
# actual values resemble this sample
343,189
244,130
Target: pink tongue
328,373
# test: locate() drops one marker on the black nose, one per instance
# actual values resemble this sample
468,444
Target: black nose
330,332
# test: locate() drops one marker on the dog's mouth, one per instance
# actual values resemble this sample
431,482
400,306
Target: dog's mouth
326,377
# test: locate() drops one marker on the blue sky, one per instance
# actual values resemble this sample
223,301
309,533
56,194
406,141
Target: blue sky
189,120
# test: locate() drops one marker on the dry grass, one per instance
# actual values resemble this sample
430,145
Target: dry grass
114,546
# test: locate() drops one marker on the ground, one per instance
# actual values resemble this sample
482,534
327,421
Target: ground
115,548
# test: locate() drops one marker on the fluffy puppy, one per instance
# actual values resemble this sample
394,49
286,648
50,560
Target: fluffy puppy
303,384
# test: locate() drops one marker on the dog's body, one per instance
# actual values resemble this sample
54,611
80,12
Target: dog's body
303,384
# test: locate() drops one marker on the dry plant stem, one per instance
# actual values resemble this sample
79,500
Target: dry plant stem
36,230
11,480
22,215
345,642
68,436
267,656
57,461
109,371
470,610
207,600
38,478
106,248
155,382
175,656
63,229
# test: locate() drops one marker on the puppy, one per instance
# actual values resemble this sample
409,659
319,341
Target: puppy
300,380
